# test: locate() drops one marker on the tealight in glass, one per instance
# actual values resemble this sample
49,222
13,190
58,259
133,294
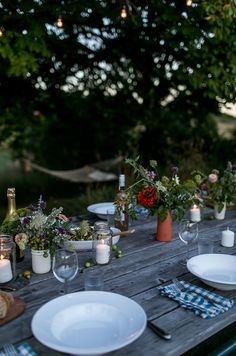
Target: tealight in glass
102,245
7,259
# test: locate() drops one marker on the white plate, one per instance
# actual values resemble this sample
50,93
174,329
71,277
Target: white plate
87,245
100,209
89,323
216,270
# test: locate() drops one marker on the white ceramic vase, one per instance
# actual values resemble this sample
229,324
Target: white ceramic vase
219,215
40,264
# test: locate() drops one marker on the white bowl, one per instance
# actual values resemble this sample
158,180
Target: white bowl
89,323
87,245
216,270
100,209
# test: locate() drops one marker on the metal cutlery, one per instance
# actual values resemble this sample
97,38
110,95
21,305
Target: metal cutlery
180,288
159,331
9,350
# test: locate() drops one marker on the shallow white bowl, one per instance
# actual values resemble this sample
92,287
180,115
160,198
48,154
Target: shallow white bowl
89,323
87,245
217,270
100,209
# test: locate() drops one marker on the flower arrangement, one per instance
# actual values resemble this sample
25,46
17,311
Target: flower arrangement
40,231
162,194
219,189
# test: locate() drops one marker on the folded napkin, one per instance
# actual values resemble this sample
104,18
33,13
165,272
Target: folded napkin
25,350
201,301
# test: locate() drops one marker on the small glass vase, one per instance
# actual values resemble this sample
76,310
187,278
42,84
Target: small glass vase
40,264
164,229
219,215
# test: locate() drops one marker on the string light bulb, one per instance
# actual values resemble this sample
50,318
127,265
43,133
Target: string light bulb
1,31
189,2
59,22
123,13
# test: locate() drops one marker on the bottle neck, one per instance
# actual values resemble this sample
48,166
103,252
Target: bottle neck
11,210
121,182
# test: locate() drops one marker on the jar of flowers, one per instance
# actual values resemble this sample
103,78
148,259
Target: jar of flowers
165,197
220,190
43,233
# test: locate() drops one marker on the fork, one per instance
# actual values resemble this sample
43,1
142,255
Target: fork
10,350
179,286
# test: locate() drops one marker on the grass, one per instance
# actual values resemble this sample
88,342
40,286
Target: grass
73,197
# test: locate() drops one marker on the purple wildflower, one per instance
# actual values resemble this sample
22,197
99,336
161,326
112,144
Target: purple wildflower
26,220
151,174
175,169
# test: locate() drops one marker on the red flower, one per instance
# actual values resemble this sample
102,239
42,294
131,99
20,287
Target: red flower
147,196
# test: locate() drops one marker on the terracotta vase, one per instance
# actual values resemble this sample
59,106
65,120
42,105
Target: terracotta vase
164,229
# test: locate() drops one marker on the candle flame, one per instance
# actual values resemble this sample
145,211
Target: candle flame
1,257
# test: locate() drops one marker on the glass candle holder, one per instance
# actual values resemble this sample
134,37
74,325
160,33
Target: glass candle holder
7,259
102,244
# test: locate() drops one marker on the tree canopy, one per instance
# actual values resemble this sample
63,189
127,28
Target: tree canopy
102,85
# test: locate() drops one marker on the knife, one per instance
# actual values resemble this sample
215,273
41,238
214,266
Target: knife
157,330
7,288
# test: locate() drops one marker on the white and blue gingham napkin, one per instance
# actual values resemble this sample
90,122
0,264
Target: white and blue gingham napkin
201,301
25,350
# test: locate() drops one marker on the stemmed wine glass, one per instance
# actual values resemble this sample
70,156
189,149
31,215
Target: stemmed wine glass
188,232
65,266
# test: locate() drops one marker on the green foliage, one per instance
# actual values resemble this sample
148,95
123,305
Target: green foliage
100,85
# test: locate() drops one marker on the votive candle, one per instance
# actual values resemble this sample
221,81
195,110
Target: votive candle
195,214
227,238
102,253
5,270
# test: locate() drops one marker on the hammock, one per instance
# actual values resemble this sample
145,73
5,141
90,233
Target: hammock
87,174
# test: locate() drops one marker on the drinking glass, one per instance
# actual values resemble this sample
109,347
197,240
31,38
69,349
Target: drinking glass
188,232
65,266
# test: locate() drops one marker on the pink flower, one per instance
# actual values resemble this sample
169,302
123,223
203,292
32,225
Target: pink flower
213,178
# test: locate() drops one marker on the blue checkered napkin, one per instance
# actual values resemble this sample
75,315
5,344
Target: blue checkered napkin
201,301
25,350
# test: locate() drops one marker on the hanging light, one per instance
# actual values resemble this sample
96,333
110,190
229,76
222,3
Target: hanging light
189,2
123,13
59,22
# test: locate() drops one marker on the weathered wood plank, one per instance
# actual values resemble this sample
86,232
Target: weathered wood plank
146,264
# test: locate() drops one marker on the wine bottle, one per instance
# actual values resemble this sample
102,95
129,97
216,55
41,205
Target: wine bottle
12,220
121,206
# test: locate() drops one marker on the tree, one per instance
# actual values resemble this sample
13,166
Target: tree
102,85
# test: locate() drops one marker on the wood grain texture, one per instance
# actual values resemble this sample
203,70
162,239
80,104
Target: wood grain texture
145,266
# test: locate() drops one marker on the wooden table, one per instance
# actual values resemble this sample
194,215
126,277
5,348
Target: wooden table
146,264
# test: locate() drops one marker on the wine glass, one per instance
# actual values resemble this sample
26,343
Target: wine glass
188,232
65,266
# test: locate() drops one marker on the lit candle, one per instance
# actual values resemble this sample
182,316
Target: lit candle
5,270
195,214
102,253
227,238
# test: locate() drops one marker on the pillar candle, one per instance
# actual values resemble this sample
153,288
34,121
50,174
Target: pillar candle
102,253
195,214
5,270
227,238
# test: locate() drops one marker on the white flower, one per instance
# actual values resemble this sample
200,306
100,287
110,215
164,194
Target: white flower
38,220
176,179
21,239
